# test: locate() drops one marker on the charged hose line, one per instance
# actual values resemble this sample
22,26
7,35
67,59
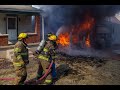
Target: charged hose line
46,73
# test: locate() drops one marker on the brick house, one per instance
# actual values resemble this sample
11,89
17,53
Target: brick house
15,19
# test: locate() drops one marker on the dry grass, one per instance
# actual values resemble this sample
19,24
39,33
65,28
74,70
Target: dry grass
82,71
8,71
92,72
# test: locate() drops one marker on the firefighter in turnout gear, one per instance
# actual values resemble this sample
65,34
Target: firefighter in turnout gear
46,52
20,59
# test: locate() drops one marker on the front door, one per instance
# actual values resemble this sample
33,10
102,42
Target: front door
12,28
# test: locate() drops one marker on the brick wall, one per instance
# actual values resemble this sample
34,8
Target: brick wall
34,38
3,40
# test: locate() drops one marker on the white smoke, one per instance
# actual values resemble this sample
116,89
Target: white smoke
88,52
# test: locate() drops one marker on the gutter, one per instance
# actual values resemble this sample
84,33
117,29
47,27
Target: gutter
16,10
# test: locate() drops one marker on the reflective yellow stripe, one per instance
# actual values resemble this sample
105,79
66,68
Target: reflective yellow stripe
18,64
19,57
48,81
54,56
43,57
17,50
45,50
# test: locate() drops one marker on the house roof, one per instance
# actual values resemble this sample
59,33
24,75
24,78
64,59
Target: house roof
115,20
117,16
28,9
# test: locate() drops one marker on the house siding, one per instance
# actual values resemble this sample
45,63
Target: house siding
114,24
25,24
116,34
2,24
33,38
34,35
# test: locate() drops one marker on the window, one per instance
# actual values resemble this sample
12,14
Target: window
11,23
33,22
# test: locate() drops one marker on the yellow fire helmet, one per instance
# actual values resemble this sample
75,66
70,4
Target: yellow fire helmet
22,36
52,37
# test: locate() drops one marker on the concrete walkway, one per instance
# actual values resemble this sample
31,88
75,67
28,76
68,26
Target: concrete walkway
12,46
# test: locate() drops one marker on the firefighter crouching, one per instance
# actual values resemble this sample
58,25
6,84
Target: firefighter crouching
46,53
20,59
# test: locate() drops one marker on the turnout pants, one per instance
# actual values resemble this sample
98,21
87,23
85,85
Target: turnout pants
21,75
43,67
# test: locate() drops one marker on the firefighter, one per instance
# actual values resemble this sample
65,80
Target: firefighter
46,53
20,59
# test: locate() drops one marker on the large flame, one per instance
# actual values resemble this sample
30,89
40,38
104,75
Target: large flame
77,33
64,39
85,27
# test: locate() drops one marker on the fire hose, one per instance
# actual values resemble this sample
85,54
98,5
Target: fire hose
48,71
7,78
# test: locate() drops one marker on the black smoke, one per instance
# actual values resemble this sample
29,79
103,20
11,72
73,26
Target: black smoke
58,15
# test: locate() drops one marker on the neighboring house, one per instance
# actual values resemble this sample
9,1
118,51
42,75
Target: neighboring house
15,19
109,29
115,24
116,32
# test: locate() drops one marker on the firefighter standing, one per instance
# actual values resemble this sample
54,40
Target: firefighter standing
20,59
46,53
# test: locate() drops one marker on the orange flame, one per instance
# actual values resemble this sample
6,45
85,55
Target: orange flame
86,26
87,42
64,39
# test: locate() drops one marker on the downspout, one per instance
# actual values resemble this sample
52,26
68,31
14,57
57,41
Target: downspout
42,43
43,34
42,15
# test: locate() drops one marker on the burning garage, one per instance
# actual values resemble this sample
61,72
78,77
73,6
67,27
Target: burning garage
83,27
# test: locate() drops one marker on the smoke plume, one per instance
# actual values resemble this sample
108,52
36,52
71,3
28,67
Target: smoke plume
58,15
